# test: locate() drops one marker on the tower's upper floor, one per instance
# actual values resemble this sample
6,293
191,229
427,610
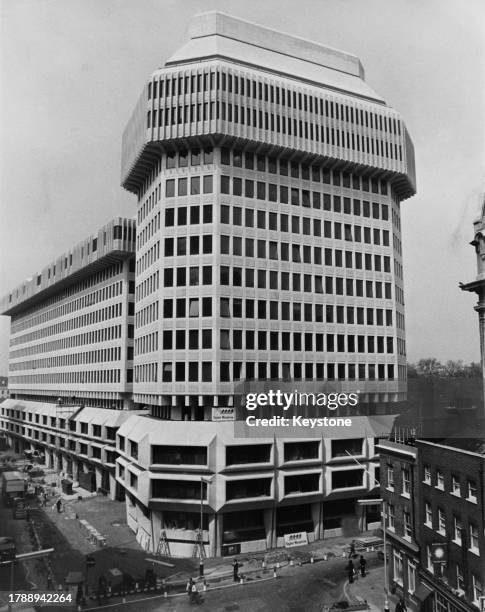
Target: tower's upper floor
237,82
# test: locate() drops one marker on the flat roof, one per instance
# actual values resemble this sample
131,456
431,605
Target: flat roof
94,253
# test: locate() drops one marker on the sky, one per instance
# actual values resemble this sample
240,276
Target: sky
72,70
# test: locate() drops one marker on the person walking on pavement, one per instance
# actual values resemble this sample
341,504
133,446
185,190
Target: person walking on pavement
352,550
351,571
188,588
363,564
401,606
59,505
235,568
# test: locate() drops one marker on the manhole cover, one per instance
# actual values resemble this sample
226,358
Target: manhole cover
232,607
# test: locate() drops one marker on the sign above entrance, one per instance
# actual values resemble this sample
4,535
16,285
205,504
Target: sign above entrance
296,539
223,414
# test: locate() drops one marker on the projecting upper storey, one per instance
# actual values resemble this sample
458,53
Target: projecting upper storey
238,83
114,242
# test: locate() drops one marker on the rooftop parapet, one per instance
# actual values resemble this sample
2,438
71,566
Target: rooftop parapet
113,242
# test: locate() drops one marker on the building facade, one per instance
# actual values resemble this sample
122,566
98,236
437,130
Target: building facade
451,513
71,335
399,473
269,178
71,358
268,211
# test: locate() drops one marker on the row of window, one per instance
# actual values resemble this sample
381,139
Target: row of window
99,356
438,522
103,376
193,215
193,187
294,169
455,485
96,336
299,282
300,225
301,197
24,321
339,135
90,318
238,308
261,89
233,245
194,371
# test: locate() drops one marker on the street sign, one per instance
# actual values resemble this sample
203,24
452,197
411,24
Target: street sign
296,539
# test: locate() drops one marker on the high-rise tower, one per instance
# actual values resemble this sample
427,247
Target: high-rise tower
269,178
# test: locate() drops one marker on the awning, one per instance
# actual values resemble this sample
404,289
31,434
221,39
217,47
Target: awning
423,592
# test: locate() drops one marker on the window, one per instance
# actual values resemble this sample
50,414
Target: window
440,480
429,559
390,478
472,491
457,530
460,583
397,567
406,482
477,589
455,486
411,577
441,521
473,529
427,475
391,517
408,529
428,515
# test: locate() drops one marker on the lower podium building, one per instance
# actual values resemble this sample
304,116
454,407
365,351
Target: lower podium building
251,491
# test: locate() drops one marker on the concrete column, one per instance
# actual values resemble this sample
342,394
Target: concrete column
75,469
112,486
99,477
317,517
215,535
270,527
56,461
64,464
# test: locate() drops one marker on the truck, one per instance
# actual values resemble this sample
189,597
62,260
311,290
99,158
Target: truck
13,485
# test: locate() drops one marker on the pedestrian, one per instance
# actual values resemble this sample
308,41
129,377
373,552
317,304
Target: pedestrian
350,571
235,569
188,589
59,505
352,550
401,606
195,596
362,563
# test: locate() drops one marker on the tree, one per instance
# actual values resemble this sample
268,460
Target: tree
429,366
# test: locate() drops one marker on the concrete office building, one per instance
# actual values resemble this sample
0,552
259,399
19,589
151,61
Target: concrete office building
269,178
71,354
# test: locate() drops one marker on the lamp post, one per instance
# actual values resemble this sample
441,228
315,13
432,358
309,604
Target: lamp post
203,481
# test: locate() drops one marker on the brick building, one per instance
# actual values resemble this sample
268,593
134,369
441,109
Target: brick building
451,512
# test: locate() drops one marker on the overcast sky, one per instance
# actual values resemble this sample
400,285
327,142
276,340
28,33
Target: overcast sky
72,71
